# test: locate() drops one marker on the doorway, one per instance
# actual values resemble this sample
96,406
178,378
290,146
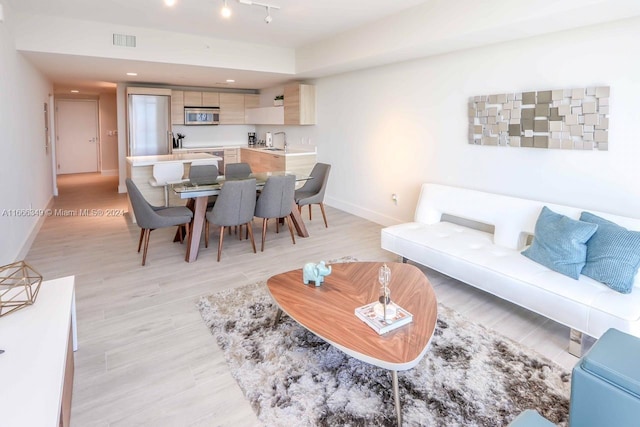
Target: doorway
77,141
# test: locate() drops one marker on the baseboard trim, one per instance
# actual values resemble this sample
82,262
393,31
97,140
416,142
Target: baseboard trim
26,247
361,212
109,172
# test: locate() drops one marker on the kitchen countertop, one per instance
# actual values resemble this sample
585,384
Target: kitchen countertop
179,157
201,149
297,151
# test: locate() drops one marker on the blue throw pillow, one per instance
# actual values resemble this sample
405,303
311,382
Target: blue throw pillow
559,243
613,254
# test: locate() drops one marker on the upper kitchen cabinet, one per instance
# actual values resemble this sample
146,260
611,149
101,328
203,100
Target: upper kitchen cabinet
299,104
192,99
251,101
265,116
201,99
232,108
177,107
210,99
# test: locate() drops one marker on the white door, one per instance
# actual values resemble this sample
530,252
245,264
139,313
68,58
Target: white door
77,136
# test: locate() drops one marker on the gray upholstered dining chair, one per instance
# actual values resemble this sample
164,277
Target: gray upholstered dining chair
150,217
312,192
276,201
236,205
203,174
237,170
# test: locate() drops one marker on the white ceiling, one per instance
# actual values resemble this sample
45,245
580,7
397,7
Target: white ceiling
333,36
297,23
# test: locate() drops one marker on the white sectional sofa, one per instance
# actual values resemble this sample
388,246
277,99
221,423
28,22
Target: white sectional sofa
493,262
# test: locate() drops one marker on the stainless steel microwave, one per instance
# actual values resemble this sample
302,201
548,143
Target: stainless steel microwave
201,116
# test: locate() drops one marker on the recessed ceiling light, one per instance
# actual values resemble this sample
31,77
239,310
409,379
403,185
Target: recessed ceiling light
230,81
75,91
170,2
132,74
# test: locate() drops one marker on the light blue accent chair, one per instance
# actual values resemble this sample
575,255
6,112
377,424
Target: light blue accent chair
605,386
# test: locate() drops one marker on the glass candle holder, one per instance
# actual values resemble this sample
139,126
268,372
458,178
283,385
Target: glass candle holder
385,309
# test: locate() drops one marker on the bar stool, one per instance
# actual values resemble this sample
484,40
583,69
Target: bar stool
166,174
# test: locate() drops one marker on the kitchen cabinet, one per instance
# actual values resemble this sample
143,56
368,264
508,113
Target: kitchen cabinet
210,99
192,99
299,104
269,161
265,116
231,155
177,107
263,161
251,101
231,109
201,99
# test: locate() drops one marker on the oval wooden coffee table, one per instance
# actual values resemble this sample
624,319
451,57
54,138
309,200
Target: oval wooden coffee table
328,312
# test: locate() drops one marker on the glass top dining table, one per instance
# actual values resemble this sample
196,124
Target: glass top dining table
197,196
188,190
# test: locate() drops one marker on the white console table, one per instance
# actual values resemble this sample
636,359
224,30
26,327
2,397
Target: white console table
36,368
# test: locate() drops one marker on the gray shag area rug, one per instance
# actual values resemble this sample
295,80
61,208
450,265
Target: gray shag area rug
470,376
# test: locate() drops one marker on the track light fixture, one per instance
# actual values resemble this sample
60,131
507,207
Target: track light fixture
268,18
268,7
225,11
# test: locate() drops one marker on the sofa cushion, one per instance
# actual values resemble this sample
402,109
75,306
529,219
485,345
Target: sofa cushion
613,254
559,243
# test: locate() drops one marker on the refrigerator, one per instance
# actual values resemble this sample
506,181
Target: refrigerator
149,125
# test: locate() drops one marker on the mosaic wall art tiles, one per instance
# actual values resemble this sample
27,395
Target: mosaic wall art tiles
574,119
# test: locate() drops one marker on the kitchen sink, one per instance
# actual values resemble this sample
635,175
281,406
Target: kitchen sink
273,149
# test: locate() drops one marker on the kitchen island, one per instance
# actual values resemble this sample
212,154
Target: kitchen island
297,160
140,170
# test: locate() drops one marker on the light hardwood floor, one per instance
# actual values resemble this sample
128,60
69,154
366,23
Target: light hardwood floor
145,356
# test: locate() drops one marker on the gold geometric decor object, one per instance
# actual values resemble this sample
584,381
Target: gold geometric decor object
19,286
569,119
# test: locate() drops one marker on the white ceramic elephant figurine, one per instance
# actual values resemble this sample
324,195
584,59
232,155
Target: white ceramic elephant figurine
315,272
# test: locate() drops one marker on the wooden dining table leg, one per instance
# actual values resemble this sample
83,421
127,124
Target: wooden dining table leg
179,232
298,223
197,224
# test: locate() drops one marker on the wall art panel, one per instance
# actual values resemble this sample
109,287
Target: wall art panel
571,119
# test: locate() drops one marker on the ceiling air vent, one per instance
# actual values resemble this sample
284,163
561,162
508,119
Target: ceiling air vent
124,40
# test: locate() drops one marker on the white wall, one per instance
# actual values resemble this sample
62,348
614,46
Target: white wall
108,142
389,129
26,168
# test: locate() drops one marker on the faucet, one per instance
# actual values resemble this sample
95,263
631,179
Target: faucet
285,138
